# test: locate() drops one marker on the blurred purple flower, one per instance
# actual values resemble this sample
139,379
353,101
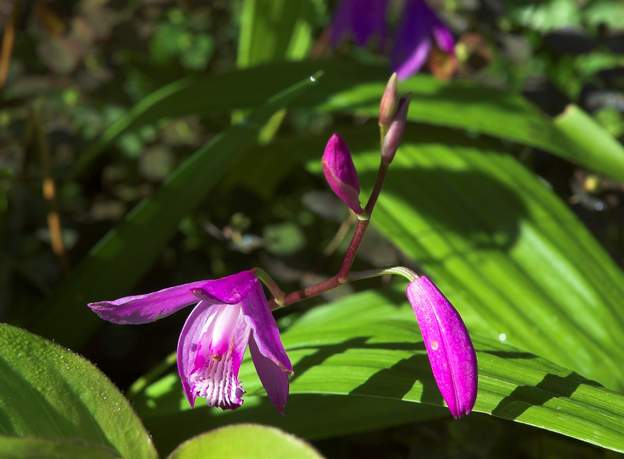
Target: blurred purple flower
363,19
451,354
412,42
231,313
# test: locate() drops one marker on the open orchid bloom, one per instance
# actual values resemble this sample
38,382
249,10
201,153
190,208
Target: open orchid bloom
364,19
451,354
231,313
413,40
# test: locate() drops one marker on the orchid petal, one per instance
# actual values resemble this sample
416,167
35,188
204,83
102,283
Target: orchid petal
229,289
140,309
206,369
412,43
341,24
273,378
412,63
451,354
443,35
363,19
369,20
256,310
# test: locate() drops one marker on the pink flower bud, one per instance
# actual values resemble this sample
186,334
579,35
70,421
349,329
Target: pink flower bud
340,173
451,355
393,137
389,102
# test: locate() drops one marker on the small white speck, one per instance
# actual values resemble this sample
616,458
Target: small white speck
502,337
434,345
312,78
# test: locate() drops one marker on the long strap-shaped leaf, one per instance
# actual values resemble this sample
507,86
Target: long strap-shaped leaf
356,87
365,348
127,251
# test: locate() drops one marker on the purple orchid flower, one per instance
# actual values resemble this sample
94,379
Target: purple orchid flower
450,351
412,42
231,313
363,19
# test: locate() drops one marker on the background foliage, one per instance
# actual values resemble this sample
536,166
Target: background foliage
149,143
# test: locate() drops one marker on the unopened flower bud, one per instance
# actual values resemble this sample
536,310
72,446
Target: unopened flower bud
340,173
389,102
393,137
450,351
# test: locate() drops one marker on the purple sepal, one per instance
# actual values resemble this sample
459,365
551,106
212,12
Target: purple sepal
340,173
412,42
273,377
140,309
451,354
364,19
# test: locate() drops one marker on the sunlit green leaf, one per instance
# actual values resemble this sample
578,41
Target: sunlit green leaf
356,88
368,348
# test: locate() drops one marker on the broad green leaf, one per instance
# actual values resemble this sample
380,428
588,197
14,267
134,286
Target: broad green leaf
124,254
515,260
52,398
245,441
368,348
339,415
39,448
507,250
356,88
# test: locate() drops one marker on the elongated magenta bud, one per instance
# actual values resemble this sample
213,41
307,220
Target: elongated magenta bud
393,137
451,354
340,173
389,102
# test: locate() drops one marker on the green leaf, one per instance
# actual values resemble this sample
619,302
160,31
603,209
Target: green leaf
356,88
583,131
245,441
367,348
507,250
274,29
124,254
39,448
52,401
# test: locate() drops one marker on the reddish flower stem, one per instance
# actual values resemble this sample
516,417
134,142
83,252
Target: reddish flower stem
358,235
